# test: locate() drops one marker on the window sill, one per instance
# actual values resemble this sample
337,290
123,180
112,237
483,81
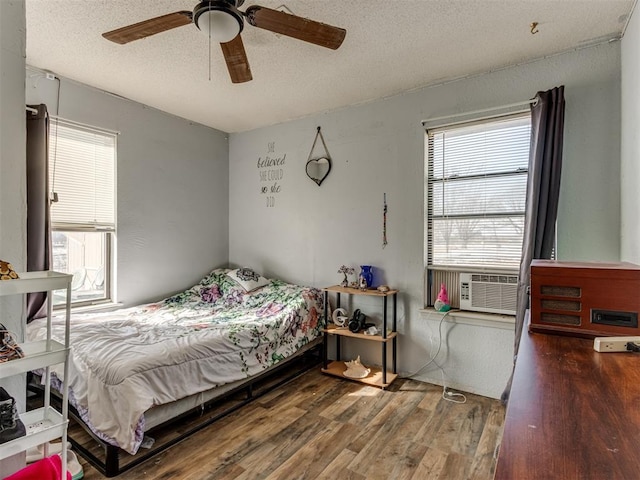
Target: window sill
493,320
98,307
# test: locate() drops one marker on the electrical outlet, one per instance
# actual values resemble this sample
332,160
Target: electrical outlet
613,344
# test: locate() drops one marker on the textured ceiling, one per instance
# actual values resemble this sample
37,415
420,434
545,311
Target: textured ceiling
390,47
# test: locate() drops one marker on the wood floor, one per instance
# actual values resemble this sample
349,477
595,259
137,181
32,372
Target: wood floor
321,427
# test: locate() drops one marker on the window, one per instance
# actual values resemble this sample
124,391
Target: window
82,182
476,180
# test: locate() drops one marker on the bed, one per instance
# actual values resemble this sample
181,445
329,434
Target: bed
135,368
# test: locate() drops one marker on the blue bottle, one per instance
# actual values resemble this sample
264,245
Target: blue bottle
366,272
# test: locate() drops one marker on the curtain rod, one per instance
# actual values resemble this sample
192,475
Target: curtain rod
32,110
533,101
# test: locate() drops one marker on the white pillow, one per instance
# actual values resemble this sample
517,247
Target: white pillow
247,279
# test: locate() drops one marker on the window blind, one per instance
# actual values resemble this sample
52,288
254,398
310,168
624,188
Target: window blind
476,189
82,177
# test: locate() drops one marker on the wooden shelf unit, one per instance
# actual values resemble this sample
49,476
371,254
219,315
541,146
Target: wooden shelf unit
374,378
356,291
379,377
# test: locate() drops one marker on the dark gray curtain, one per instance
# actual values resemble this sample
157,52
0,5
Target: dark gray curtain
543,192
38,223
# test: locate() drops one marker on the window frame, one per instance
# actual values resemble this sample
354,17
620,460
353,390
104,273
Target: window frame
108,230
435,273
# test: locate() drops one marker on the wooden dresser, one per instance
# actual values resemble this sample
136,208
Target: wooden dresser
573,413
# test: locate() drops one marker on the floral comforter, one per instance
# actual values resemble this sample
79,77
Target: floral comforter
124,362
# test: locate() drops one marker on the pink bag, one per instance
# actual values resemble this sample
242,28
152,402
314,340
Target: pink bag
49,468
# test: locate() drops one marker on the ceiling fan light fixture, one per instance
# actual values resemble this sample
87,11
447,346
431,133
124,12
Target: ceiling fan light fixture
219,19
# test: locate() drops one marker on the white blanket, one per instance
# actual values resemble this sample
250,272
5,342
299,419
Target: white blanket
122,363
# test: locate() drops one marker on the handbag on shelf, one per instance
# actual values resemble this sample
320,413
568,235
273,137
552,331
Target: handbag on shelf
9,348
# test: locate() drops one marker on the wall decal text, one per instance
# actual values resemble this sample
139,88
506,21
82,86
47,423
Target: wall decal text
271,168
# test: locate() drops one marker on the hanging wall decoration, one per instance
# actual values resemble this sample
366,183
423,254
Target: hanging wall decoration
384,221
318,167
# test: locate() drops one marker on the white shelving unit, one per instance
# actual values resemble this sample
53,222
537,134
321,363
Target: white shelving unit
43,424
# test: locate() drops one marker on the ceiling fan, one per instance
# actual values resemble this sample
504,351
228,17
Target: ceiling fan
222,22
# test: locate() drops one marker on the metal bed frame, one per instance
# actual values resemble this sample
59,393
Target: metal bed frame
110,467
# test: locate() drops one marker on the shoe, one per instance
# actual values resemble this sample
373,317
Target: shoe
74,467
37,453
11,427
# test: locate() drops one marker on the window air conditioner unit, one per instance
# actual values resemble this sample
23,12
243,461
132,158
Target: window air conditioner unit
488,292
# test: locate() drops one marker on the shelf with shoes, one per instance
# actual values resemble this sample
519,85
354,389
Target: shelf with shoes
41,425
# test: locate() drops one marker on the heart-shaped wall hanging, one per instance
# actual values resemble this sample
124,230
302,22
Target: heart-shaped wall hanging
318,168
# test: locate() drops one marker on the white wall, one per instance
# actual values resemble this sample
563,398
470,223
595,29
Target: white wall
172,188
379,147
13,210
13,172
630,144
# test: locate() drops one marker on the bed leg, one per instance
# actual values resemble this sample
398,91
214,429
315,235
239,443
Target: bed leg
325,351
250,391
111,467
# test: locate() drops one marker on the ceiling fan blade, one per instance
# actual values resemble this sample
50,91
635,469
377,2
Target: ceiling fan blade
237,61
296,27
149,27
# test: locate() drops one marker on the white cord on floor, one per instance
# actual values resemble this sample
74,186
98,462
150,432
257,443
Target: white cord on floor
447,395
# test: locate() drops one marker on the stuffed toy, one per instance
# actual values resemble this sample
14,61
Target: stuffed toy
7,272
